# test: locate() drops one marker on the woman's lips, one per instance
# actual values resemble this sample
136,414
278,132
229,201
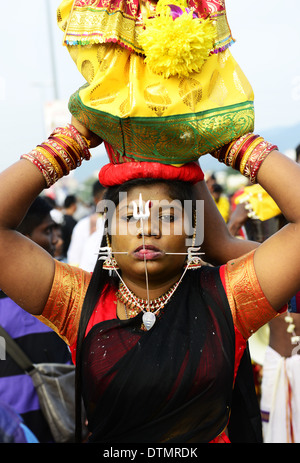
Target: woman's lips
147,252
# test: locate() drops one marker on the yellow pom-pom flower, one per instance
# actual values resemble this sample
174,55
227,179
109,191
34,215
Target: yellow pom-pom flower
177,46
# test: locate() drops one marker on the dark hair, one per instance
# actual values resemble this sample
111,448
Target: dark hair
177,190
69,200
297,153
50,201
217,188
36,214
97,188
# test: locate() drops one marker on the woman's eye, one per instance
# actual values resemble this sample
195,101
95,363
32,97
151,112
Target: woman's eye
167,218
128,218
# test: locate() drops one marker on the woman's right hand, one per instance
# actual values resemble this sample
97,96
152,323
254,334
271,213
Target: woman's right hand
94,139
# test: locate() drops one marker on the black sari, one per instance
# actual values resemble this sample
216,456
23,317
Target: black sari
172,384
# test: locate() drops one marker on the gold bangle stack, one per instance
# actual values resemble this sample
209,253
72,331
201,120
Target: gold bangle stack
246,154
64,150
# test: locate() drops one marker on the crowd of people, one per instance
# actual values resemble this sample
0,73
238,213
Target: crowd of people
153,298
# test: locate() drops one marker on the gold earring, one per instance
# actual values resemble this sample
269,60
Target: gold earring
110,264
193,264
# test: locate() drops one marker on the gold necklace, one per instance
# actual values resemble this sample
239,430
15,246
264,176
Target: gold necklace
134,305
130,300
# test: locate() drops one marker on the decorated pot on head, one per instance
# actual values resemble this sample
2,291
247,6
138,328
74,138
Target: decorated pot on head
161,83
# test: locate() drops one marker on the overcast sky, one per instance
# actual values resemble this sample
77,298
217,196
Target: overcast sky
267,48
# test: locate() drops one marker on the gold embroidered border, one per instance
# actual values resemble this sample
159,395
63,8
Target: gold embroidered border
100,25
173,139
63,308
249,306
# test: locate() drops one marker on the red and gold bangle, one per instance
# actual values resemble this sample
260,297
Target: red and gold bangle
60,155
30,157
46,168
60,167
70,145
249,141
68,156
232,153
72,133
44,150
64,150
236,149
245,154
255,161
47,164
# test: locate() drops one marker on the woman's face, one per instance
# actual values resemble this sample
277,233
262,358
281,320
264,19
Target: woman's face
149,241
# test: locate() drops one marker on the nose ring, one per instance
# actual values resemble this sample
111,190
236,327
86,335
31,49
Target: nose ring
139,231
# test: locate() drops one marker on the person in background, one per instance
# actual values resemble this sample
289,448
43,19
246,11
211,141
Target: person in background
216,191
12,427
210,180
221,200
70,207
87,235
59,247
58,218
38,341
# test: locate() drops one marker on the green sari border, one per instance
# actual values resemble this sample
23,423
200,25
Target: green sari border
169,139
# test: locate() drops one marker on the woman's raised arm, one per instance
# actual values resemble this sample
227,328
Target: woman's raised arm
277,260
26,269
219,245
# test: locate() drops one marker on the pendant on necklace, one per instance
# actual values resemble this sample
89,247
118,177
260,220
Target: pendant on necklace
149,319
